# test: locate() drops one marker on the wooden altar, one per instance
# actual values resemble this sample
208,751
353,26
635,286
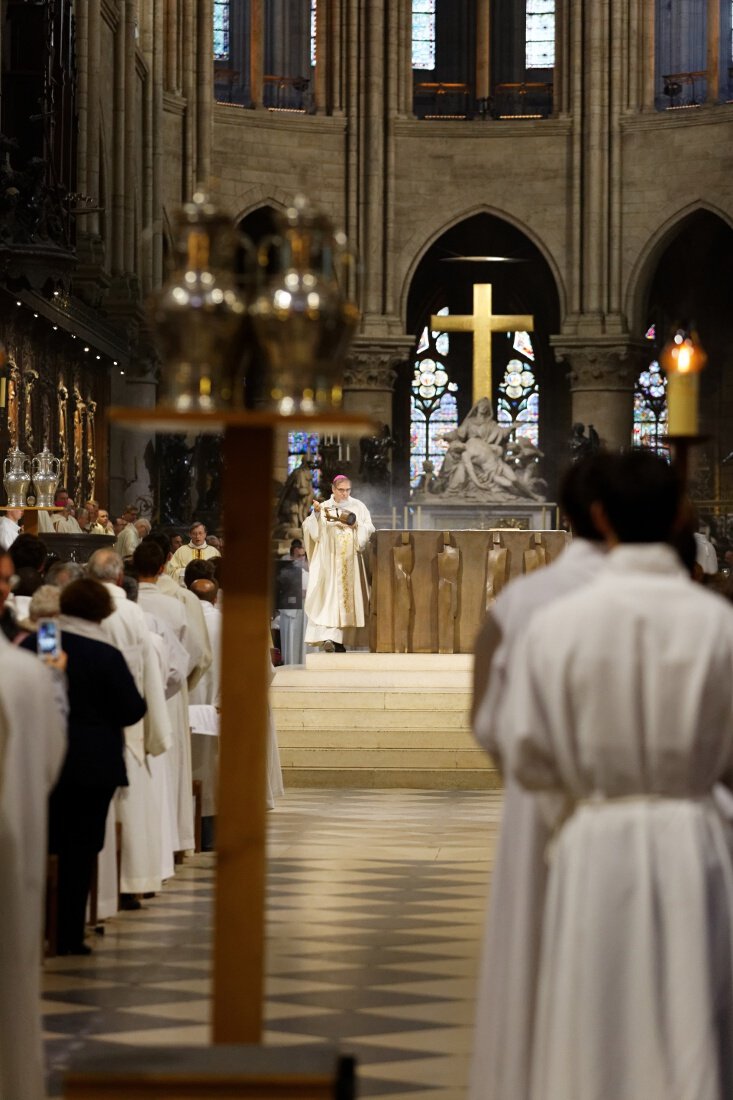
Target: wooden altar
431,589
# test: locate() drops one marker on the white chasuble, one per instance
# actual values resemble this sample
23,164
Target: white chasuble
32,749
620,703
338,595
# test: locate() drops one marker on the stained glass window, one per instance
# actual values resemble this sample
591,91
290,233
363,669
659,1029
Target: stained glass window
518,405
221,30
423,34
433,408
540,34
299,444
313,33
650,406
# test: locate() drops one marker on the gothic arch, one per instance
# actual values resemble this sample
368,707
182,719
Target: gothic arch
464,215
644,268
259,198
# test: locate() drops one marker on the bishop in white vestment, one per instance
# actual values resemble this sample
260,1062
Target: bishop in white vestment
338,596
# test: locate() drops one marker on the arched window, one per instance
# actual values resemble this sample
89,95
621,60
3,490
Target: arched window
221,30
518,405
433,408
650,406
423,34
539,34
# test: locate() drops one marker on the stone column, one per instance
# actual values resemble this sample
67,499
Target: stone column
204,89
336,95
131,134
189,93
171,45
483,45
602,377
370,375
118,153
256,52
159,28
713,51
82,90
323,58
94,80
406,82
647,22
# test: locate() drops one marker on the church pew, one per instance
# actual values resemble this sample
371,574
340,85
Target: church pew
210,1073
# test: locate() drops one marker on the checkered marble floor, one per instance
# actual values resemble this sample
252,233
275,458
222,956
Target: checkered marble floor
376,903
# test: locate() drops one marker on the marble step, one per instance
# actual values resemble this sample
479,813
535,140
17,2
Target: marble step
379,720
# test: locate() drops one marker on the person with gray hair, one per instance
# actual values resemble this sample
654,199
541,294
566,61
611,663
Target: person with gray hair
143,527
62,573
106,566
138,804
45,604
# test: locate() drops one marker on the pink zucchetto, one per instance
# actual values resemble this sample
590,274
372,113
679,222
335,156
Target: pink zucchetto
339,477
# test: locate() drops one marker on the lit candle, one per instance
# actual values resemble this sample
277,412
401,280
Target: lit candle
683,358
394,518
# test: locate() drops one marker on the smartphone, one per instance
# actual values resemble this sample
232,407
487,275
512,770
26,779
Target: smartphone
49,638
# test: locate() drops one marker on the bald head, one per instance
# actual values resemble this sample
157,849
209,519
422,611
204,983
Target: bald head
206,590
106,565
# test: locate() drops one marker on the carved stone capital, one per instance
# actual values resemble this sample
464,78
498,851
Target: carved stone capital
605,365
372,364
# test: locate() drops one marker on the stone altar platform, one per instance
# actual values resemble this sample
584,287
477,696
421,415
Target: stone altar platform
379,720
433,513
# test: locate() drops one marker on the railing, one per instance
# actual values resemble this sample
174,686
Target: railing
279,93
287,93
509,101
437,100
522,100
681,90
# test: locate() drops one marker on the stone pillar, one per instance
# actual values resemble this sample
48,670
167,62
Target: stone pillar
713,51
323,58
118,153
82,92
406,81
205,89
158,142
256,52
370,375
189,93
483,46
94,81
131,135
171,46
335,95
602,376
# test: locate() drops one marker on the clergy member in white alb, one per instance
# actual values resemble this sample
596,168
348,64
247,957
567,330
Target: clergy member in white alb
619,703
196,550
336,534
32,750
10,527
507,983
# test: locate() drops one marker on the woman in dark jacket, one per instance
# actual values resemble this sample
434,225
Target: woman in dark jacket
103,700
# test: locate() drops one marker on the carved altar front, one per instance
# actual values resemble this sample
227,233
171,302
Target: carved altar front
431,589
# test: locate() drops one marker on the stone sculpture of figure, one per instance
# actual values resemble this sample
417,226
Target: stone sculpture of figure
497,561
402,565
427,480
535,557
487,461
296,498
449,561
581,444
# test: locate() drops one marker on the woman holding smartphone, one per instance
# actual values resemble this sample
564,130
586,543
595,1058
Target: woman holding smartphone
103,700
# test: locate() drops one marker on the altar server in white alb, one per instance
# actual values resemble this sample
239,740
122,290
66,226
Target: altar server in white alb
32,750
619,707
508,979
336,534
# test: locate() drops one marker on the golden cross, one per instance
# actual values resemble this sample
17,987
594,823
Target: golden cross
482,322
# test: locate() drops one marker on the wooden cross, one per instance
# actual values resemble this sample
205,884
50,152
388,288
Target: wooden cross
482,322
